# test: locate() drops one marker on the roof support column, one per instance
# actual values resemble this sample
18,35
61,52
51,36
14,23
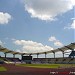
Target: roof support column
37,55
13,55
63,54
30,54
45,54
5,54
53,53
21,56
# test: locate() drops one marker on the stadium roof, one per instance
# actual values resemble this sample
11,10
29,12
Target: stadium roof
62,49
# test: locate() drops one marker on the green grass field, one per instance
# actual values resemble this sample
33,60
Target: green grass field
2,69
47,65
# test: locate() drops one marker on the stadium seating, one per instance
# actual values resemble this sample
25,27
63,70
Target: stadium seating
65,60
10,60
72,61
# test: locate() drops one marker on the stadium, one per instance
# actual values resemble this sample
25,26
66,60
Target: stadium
38,66
37,37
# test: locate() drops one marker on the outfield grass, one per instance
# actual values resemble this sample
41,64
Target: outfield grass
39,65
47,65
2,69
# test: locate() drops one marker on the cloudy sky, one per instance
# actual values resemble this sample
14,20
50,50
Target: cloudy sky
36,25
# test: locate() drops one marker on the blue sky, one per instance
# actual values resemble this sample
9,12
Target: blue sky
33,26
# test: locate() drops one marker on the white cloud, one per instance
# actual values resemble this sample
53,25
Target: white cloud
13,39
4,18
1,43
48,9
31,46
52,38
56,42
72,26
73,18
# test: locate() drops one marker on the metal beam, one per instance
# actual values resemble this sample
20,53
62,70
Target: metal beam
69,48
8,52
61,50
68,52
23,53
2,49
73,43
53,52
16,53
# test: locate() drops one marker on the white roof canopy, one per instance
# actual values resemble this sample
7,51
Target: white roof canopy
62,49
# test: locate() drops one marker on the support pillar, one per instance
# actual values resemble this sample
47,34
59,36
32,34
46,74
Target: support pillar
30,54
5,54
13,55
37,55
21,56
45,54
63,54
54,54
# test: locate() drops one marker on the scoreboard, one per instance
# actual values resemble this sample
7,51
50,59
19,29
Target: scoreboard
26,57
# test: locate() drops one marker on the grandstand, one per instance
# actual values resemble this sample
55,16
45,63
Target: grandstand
64,60
38,66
